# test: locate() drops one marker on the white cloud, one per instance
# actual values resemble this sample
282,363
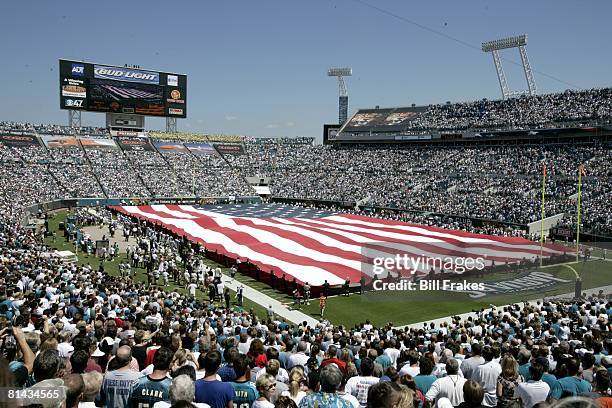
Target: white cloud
272,126
230,117
290,124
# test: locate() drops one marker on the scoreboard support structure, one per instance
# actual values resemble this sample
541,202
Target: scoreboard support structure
171,125
74,118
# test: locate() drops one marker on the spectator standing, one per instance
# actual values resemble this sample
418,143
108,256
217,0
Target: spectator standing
330,379
473,395
450,387
74,386
358,386
390,395
245,392
182,389
487,375
266,386
155,386
425,379
297,381
92,382
507,381
117,385
535,390
468,366
300,358
572,384
209,389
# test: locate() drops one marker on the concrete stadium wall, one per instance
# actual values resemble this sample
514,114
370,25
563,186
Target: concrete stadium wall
536,226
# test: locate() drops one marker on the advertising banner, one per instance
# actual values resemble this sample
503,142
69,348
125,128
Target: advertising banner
175,96
170,147
126,74
201,149
129,143
98,143
413,137
172,80
227,148
175,111
19,140
74,88
55,142
127,133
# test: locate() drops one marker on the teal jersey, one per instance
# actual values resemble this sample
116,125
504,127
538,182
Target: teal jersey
147,392
245,394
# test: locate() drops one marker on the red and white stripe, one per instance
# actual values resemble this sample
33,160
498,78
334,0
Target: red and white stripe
329,248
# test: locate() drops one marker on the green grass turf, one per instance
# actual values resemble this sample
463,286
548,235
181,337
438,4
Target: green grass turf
416,306
138,274
403,308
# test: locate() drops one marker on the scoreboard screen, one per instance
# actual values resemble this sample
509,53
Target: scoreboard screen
105,88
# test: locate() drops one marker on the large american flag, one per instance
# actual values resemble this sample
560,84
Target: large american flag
315,245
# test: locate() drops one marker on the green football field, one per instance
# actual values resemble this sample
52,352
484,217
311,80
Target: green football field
397,307
416,306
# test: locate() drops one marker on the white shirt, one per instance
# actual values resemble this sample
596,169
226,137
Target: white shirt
282,375
243,348
297,359
164,404
564,332
532,392
393,354
469,365
450,387
262,404
301,394
359,386
486,375
407,369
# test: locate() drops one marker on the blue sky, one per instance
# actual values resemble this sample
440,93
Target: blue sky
259,67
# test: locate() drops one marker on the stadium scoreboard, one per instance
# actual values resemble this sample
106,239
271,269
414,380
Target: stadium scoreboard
111,89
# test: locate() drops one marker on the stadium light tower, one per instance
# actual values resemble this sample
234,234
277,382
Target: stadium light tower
519,42
340,73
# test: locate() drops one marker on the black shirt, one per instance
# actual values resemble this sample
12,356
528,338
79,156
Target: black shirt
140,354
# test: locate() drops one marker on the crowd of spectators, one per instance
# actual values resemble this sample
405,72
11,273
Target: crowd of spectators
527,112
115,173
195,137
50,129
115,341
498,183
